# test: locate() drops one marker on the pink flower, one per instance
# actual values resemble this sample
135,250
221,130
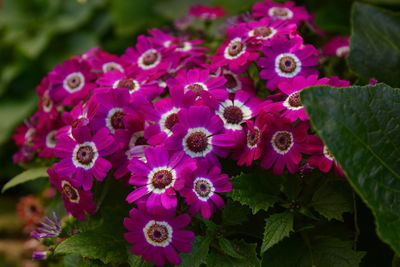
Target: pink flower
159,177
76,201
201,190
338,46
82,155
287,59
157,238
72,82
291,106
207,12
283,145
105,62
276,11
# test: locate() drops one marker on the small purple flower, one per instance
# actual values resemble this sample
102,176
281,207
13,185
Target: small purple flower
39,255
82,155
50,228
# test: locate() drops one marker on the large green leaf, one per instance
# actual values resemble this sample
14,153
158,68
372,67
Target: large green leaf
199,253
277,227
375,44
258,190
333,199
26,176
361,127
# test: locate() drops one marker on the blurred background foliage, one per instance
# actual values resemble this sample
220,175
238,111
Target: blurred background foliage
36,35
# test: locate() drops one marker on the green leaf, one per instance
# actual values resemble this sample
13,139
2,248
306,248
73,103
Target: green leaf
361,127
248,251
199,253
227,247
26,176
375,44
234,213
319,251
277,227
333,199
258,190
137,261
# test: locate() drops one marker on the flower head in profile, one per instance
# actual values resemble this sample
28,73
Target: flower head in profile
207,12
287,11
83,155
338,46
157,238
76,201
49,228
201,190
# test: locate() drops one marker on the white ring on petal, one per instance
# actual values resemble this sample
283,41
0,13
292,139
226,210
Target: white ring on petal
63,183
95,155
246,113
150,176
209,184
226,51
163,119
114,65
110,114
277,149
155,63
209,142
50,139
289,13
81,85
284,74
166,242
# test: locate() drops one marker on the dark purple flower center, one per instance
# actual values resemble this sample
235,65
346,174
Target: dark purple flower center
74,81
282,141
150,58
294,100
253,137
233,115
157,233
195,87
85,155
202,187
197,142
231,82
127,83
161,179
235,48
263,31
71,193
117,120
171,120
140,141
287,64
280,12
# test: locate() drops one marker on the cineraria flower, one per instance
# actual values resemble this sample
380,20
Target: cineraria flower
321,157
50,228
158,178
199,134
25,133
105,62
283,145
207,12
132,81
76,201
157,238
252,149
234,82
276,11
72,82
287,59
264,29
82,155
195,81
338,46
236,110
235,53
45,140
292,107
201,190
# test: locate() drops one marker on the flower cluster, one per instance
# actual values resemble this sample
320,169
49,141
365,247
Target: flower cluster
163,115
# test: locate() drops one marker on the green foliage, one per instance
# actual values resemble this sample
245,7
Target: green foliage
198,256
333,199
375,44
361,127
26,176
277,227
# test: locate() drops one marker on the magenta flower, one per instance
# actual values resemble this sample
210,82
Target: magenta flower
72,82
158,238
252,149
287,59
194,81
47,108
276,11
201,190
105,62
321,157
207,12
45,139
82,155
291,106
199,134
235,53
283,145
76,201
159,178
338,46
